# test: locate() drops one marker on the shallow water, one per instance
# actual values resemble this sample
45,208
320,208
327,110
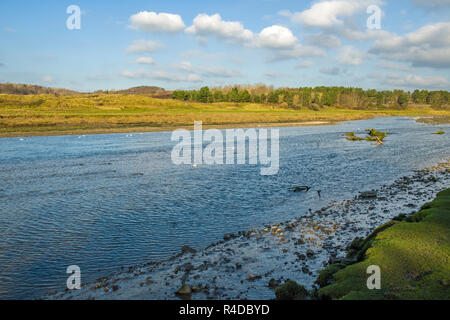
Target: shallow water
106,201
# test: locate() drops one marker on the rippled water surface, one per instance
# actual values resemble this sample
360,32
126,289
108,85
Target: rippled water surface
106,201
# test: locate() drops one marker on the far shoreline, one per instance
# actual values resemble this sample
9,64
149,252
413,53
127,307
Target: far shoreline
149,129
431,120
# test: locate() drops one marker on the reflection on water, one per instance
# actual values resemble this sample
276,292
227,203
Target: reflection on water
106,201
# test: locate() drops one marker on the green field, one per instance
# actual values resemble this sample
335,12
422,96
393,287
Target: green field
50,114
412,252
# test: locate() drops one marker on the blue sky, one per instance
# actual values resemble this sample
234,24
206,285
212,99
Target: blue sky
189,44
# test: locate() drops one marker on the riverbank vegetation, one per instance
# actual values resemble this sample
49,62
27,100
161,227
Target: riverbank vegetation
313,98
153,109
412,252
372,135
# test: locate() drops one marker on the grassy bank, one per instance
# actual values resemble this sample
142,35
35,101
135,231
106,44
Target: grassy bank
412,252
102,113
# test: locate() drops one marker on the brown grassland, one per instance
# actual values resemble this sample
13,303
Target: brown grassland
47,114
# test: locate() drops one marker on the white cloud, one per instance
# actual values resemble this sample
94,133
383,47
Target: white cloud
358,35
144,46
276,37
331,13
205,25
208,71
285,13
428,46
323,40
275,75
157,22
437,4
298,51
145,60
184,66
336,18
350,56
273,37
219,72
139,74
199,54
48,79
271,74
414,81
202,40
99,76
160,75
389,65
304,64
193,78
333,71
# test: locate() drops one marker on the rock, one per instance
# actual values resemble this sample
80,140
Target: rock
274,283
197,288
368,194
290,226
188,267
291,291
185,290
115,287
309,253
248,233
238,266
300,188
188,249
230,236
334,260
253,278
300,256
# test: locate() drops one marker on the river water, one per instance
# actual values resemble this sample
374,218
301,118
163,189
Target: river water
103,202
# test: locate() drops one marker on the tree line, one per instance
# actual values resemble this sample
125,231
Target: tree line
316,97
28,89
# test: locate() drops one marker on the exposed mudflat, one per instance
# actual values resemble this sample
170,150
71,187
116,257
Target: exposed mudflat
241,266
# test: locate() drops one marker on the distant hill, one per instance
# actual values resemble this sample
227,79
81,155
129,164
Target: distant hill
27,89
139,90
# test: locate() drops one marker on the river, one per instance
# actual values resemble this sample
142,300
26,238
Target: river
106,201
